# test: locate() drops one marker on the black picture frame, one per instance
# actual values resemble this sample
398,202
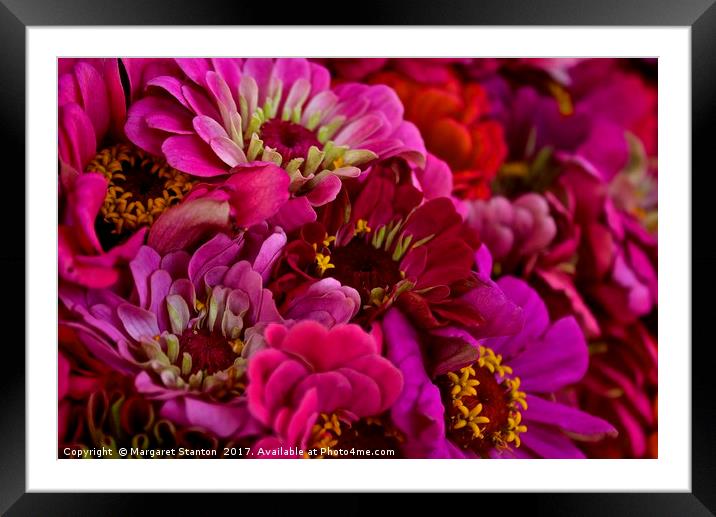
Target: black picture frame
16,15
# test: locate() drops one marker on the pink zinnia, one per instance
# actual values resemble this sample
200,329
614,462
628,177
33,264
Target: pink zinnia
308,371
91,111
190,325
112,191
217,114
502,404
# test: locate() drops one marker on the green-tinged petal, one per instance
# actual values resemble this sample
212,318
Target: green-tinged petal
326,132
255,123
256,146
423,240
185,364
314,159
314,120
346,172
294,165
196,380
331,153
269,155
402,246
391,235
377,295
172,347
178,311
378,237
358,156
236,131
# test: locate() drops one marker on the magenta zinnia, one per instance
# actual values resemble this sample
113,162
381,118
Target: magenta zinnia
216,114
500,403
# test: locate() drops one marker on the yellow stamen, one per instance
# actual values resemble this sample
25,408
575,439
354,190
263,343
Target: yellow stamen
323,263
362,227
120,209
563,98
469,415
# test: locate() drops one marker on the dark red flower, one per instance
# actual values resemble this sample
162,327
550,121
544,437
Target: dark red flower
379,239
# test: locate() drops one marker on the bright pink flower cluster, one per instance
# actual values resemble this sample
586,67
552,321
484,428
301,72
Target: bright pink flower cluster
284,257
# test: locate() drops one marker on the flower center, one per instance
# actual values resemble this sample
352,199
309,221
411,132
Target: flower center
289,139
141,187
364,267
202,354
372,434
483,405
210,353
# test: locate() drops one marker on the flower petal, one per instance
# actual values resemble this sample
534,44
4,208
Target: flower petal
183,225
138,323
190,154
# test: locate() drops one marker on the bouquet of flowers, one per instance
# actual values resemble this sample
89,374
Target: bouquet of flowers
363,258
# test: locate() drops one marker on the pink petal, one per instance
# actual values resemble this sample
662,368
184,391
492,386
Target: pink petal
229,152
183,225
258,192
366,395
159,284
208,128
138,323
195,68
190,154
85,200
146,262
293,214
555,361
281,382
325,192
435,179
260,69
230,71
567,418
355,133
550,443
163,115
94,97
389,380
261,367
77,137
333,391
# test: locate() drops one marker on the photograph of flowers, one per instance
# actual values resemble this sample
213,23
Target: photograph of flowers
369,258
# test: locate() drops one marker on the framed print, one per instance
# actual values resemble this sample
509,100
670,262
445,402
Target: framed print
439,248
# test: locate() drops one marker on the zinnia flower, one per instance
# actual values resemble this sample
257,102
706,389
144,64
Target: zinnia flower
601,258
186,332
513,230
113,191
617,257
621,386
502,404
390,248
312,384
91,112
222,113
